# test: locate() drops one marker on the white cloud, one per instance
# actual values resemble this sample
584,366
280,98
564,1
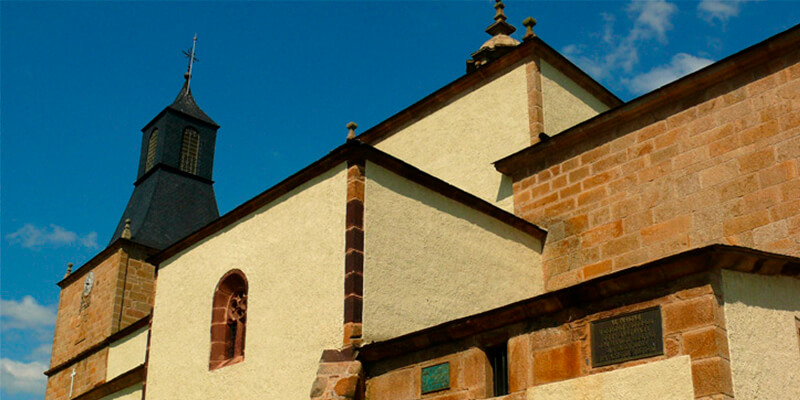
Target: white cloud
651,20
32,237
42,352
681,64
22,377
721,10
33,324
26,314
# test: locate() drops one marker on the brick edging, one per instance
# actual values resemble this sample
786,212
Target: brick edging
354,251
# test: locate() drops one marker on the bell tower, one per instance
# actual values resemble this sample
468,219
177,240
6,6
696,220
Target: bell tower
104,309
173,194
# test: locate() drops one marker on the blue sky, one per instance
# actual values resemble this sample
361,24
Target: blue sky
79,81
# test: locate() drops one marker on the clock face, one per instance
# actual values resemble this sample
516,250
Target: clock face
88,283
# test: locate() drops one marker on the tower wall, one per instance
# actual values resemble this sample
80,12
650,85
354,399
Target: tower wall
170,125
122,293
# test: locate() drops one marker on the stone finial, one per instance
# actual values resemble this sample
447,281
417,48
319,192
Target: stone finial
126,233
69,270
500,43
351,126
500,26
500,15
529,23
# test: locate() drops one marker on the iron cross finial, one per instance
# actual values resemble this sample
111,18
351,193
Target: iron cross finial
190,55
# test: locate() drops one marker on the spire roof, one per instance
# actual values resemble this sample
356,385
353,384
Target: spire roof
185,103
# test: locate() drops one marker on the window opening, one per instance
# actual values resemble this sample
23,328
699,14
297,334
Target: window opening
237,316
151,150
229,320
190,147
498,359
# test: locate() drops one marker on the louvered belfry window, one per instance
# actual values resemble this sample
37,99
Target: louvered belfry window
190,147
151,150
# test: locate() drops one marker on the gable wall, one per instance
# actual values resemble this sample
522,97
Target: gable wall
459,142
292,253
564,102
430,259
716,167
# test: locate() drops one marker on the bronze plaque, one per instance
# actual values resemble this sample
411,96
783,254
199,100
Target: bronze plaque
436,377
627,337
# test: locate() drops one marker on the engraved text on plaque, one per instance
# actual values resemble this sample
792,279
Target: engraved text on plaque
627,337
436,377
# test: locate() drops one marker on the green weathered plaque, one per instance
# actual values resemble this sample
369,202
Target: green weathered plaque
436,377
627,337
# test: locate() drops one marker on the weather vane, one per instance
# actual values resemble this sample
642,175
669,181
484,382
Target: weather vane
190,55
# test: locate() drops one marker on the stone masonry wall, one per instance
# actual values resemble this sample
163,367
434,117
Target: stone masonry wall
135,290
85,321
339,376
470,378
720,166
122,293
693,324
89,372
557,347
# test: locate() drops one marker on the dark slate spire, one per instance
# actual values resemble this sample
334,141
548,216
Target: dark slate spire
173,194
185,103
500,43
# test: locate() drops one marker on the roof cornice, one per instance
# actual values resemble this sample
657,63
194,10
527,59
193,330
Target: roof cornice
112,248
526,50
684,92
179,113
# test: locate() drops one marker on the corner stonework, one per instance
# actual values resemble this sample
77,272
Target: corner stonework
354,252
339,376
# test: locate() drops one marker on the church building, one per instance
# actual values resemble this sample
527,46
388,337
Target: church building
520,233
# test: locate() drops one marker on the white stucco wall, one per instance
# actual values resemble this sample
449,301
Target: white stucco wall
669,379
564,102
292,252
430,259
130,393
459,142
126,354
760,314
